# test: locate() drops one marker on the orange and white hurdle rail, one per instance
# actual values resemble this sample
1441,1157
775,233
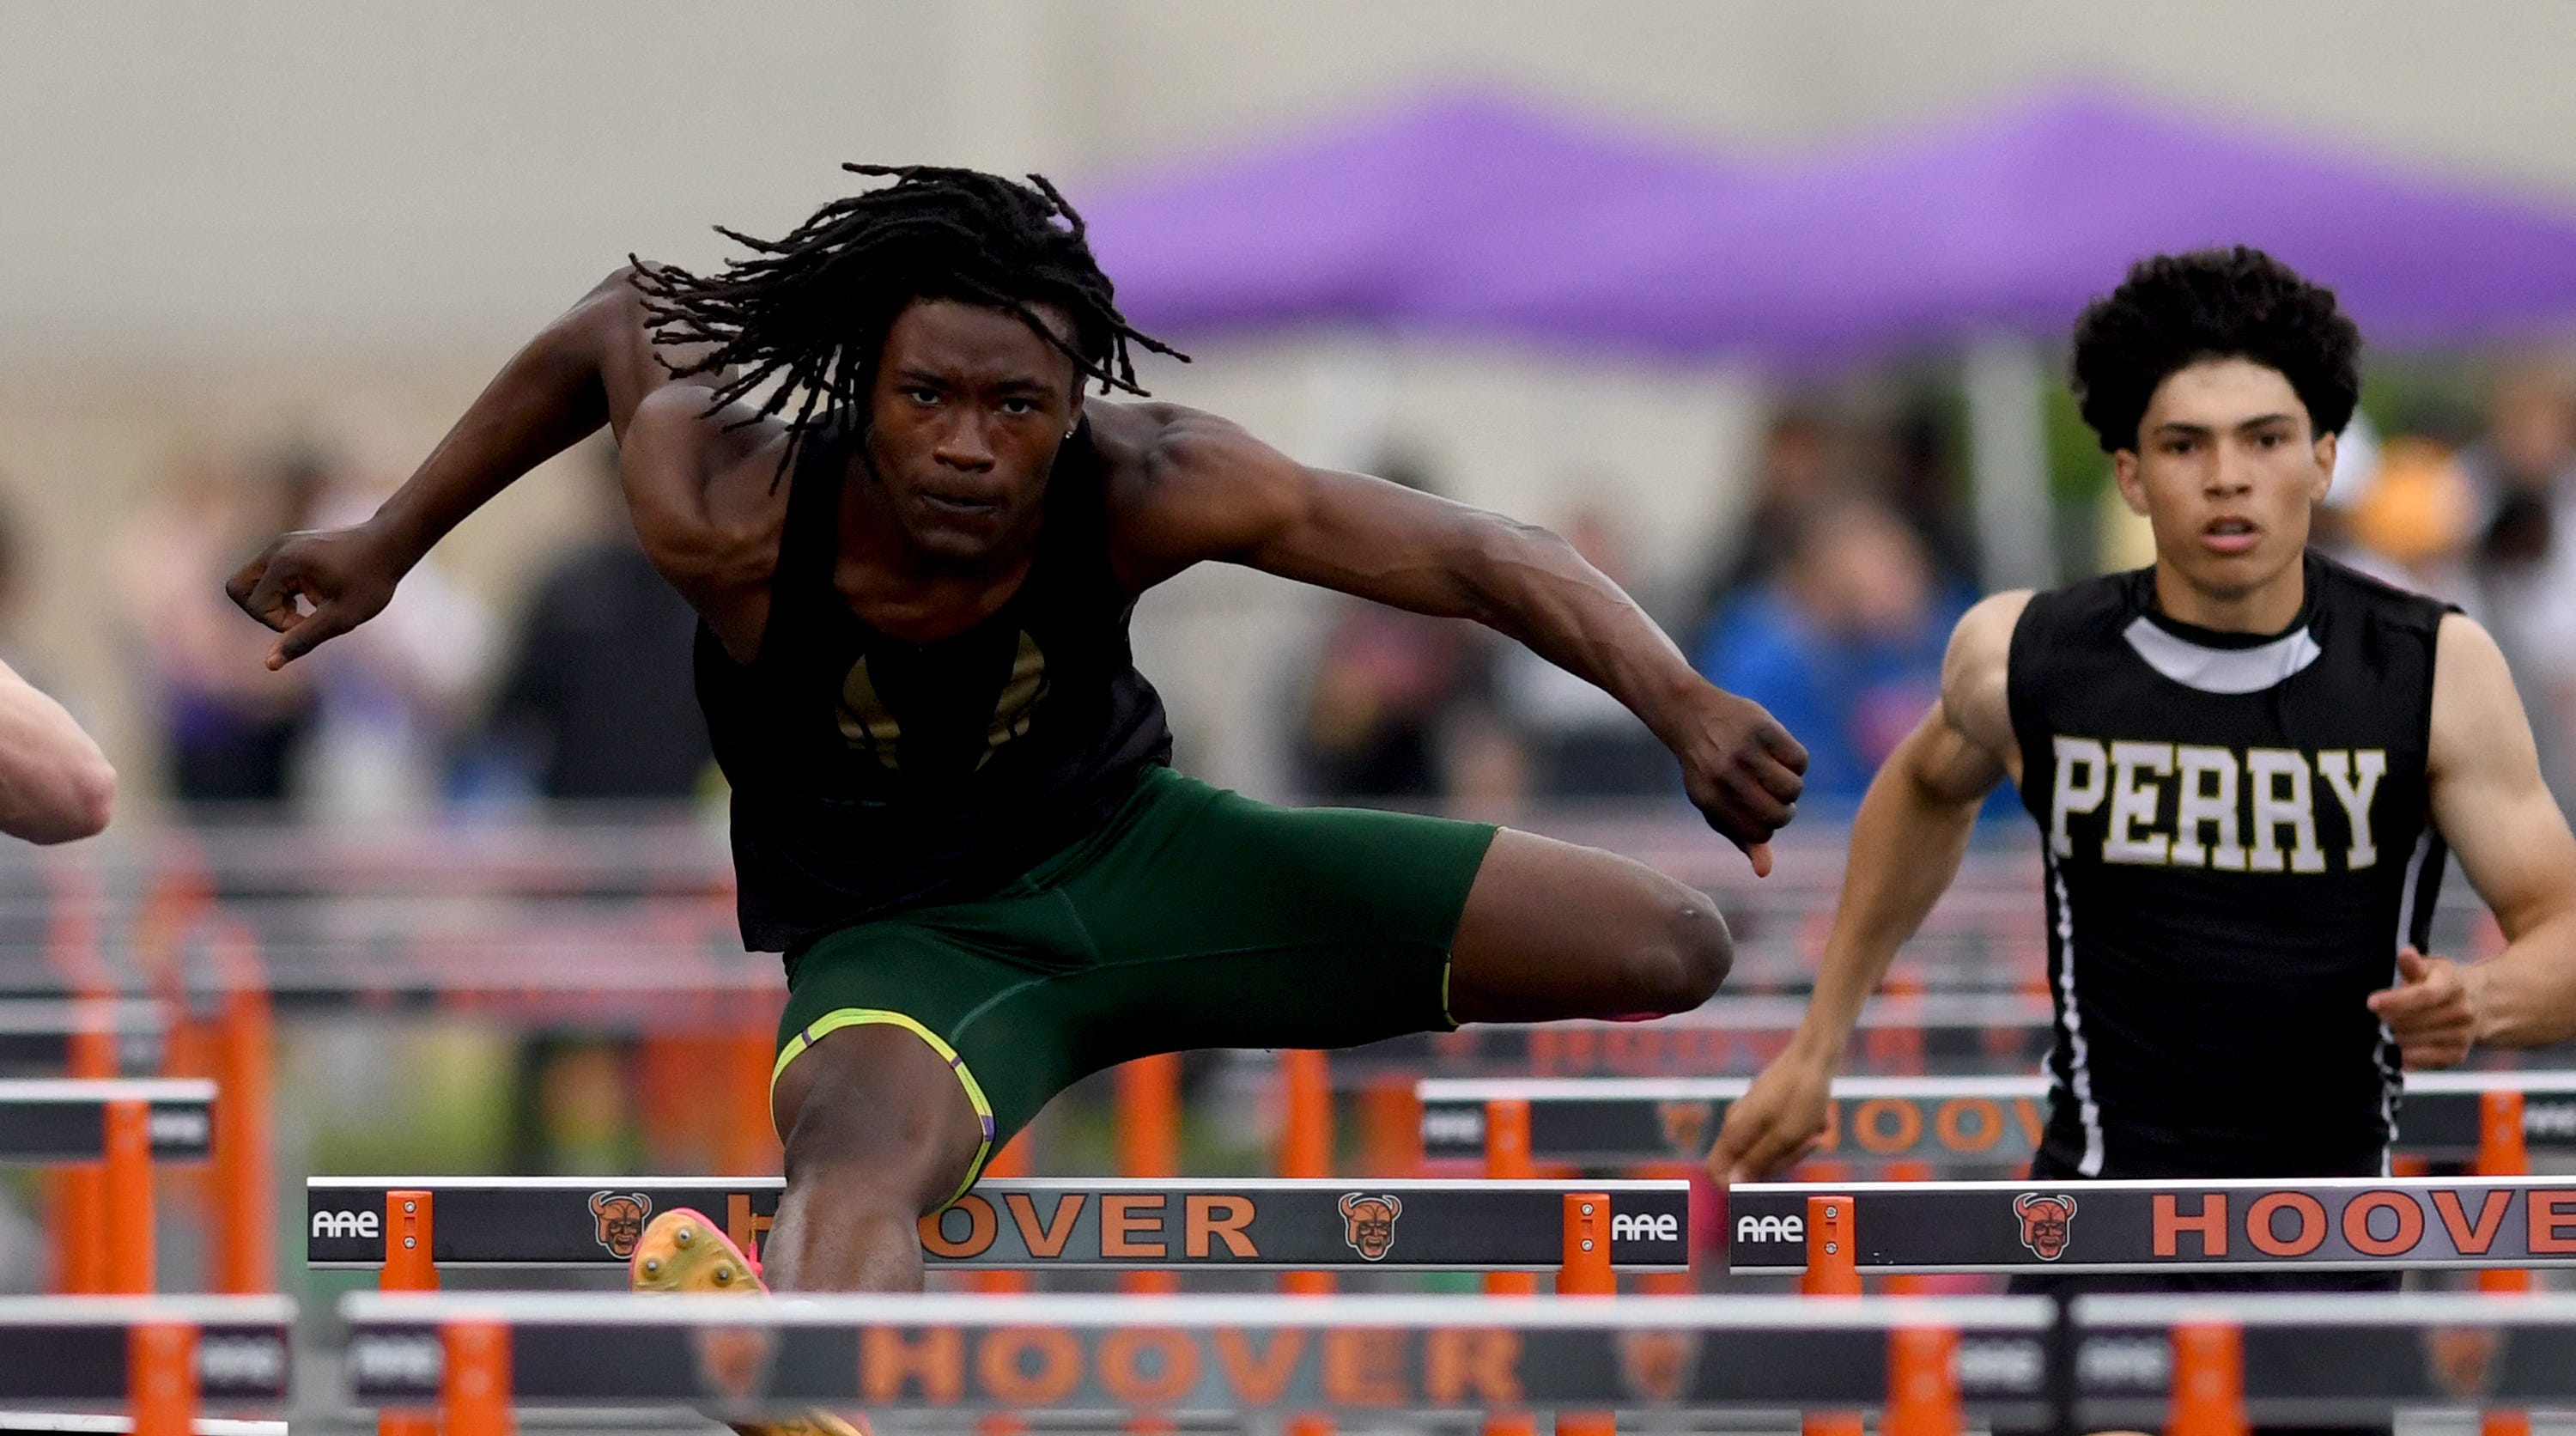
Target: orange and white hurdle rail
1924,1363
1729,1034
1830,1235
161,1359
52,1036
412,1225
1948,1122
118,1128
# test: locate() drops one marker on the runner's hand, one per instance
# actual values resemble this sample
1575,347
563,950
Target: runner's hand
1775,1123
1743,772
2432,1011
345,575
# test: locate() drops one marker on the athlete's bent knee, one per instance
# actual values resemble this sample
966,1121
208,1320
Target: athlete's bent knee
1684,965
857,1150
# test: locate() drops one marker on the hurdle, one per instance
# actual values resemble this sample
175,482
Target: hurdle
1924,1361
2039,1228
124,1124
2209,1362
46,1036
1730,1034
1947,1121
161,1358
1273,1223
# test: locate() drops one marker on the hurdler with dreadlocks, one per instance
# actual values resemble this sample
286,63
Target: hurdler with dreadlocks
865,455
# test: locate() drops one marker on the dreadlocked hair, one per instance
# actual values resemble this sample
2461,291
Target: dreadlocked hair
810,312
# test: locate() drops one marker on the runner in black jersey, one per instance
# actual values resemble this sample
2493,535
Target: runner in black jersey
2246,761
952,809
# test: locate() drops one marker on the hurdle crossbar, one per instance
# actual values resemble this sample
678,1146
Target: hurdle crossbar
2324,1359
1729,1034
40,1034
1184,1354
65,1119
1952,1121
2037,1228
1121,1223
89,1352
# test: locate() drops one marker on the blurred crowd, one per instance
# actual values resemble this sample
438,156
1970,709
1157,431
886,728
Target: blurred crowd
428,706
1831,600
1827,598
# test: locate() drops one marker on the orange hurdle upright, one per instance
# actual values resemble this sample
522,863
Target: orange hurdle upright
161,1378
1922,1382
1833,1270
409,1267
1306,1150
2208,1380
2503,1152
1584,1271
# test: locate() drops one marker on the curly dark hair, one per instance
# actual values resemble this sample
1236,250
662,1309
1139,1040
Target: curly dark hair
2174,310
812,309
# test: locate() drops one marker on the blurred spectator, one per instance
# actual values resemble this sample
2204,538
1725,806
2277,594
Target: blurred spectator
598,699
1802,471
391,696
1844,645
1390,691
1581,742
230,729
2525,471
2410,520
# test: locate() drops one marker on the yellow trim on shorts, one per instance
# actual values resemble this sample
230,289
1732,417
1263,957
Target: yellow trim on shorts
840,1017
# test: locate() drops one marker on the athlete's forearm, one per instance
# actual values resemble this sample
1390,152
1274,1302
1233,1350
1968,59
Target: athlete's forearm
1531,586
554,392
1906,844
2526,994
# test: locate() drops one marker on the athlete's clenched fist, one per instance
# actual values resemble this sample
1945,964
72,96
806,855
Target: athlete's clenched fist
1743,772
2432,1011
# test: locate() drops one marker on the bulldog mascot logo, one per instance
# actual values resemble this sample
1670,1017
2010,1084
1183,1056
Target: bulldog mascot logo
1368,1224
620,1221
2044,1223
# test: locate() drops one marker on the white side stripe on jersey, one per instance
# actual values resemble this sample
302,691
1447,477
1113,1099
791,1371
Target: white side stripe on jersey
2080,1073
2392,1063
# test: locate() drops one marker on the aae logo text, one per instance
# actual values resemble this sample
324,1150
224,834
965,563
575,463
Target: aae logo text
1770,1229
345,1224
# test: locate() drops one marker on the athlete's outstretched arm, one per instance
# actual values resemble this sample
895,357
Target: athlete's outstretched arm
1906,843
2490,804
55,785
591,366
1208,490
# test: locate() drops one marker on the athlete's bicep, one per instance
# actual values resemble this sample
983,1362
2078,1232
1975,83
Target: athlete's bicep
704,509
2487,795
1965,746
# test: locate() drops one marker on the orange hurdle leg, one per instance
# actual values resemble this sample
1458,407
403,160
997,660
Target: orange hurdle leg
1833,1270
130,1265
2502,1152
79,1216
161,1378
1585,1271
476,1392
1149,1140
245,1149
1909,1283
1306,1150
408,1267
2208,1381
1507,1159
1922,1382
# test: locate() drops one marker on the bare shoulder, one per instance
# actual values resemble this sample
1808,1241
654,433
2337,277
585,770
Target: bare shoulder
1975,671
706,491
2477,715
1185,486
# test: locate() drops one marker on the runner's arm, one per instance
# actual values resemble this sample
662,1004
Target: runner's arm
2513,843
593,365
1215,492
55,785
1906,844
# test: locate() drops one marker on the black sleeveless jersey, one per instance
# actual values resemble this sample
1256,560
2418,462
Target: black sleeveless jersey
872,775
2236,845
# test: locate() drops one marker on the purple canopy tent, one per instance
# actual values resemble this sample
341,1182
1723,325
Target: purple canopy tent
1990,236
1349,225
2010,223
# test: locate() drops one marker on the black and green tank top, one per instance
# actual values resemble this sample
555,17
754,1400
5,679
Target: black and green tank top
871,775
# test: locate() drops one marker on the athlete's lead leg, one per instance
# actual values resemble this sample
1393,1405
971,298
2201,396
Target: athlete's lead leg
878,1133
1555,931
